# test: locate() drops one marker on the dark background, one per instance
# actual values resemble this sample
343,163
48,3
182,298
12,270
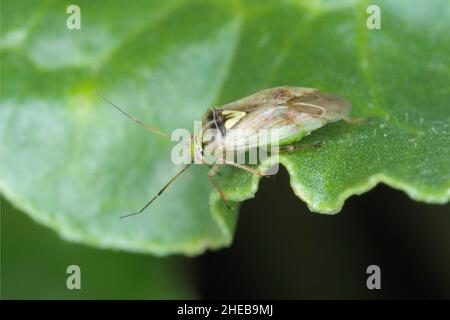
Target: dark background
281,251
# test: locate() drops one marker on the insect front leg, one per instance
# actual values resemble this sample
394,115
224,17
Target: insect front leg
211,173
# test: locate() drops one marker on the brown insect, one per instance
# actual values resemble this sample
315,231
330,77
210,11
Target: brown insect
294,111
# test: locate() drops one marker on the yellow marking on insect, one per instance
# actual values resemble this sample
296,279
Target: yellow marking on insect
293,111
233,117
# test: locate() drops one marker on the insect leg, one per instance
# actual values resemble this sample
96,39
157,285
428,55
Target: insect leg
211,175
354,120
295,147
244,167
211,167
159,192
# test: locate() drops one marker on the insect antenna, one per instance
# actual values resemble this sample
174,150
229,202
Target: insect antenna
139,122
159,192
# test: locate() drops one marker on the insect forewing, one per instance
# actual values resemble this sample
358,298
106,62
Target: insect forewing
293,111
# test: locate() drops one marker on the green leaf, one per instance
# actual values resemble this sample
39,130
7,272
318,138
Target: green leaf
75,164
34,264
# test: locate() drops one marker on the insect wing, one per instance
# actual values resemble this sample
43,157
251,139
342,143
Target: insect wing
281,122
293,112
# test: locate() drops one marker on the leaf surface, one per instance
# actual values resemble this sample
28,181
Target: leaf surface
75,164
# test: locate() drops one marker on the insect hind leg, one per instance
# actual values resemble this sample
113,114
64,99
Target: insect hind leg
295,147
354,120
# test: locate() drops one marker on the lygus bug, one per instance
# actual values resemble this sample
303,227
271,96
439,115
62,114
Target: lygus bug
294,111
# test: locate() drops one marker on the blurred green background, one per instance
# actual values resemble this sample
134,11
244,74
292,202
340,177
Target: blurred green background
34,262
280,249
